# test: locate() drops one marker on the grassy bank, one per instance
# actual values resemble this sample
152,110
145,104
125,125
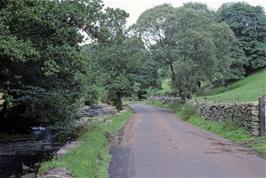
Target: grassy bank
247,89
227,129
91,158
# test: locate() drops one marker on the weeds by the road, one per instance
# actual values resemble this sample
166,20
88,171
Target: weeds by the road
227,129
91,158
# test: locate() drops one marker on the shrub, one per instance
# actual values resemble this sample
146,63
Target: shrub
187,110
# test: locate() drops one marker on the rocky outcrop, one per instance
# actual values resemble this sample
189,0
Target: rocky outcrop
26,148
67,147
58,173
31,175
98,110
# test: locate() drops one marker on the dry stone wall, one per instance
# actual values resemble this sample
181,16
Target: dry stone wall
247,114
167,100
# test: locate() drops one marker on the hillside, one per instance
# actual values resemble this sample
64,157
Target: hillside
247,89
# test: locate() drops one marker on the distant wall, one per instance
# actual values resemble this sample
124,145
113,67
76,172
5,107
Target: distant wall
247,114
167,100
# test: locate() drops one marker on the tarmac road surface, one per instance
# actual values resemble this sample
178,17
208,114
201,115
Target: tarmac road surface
155,143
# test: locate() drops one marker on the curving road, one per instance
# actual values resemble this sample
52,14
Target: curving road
155,143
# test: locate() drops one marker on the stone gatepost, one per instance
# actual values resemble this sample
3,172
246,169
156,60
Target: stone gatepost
262,114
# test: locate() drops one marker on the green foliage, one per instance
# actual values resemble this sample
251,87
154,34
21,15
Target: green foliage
192,43
259,144
94,147
166,87
125,65
187,110
249,25
248,89
43,73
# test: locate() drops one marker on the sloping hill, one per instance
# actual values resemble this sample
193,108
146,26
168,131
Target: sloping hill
247,89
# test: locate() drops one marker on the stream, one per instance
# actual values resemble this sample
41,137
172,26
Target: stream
20,157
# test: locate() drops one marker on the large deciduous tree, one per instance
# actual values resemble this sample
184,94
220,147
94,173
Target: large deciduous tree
123,68
191,42
122,60
249,25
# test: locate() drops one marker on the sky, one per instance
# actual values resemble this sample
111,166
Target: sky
136,7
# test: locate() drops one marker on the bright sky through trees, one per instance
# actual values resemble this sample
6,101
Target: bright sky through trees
136,7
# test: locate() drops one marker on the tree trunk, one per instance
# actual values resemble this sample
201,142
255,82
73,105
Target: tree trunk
225,85
173,76
118,102
183,99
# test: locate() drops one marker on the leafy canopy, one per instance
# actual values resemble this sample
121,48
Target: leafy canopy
249,26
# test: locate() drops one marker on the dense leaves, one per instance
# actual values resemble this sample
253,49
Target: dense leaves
124,65
249,25
43,73
192,42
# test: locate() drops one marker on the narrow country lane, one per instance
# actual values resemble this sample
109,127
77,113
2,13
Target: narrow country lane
155,143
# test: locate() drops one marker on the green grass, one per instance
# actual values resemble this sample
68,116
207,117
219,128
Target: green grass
247,89
227,129
91,158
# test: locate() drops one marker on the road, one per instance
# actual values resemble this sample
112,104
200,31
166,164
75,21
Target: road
155,143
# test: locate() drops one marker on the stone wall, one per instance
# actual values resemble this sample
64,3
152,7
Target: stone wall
167,100
247,114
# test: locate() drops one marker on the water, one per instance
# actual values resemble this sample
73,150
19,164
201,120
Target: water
12,165
42,134
28,154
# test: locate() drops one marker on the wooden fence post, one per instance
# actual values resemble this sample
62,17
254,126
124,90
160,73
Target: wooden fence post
262,115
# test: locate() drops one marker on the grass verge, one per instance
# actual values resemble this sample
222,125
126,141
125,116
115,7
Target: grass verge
91,158
227,129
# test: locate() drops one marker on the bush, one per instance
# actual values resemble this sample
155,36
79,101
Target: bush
187,110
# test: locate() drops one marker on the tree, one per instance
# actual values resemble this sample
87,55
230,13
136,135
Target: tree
249,26
152,26
121,63
121,59
191,42
44,76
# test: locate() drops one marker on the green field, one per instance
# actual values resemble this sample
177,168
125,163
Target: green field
91,158
247,89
